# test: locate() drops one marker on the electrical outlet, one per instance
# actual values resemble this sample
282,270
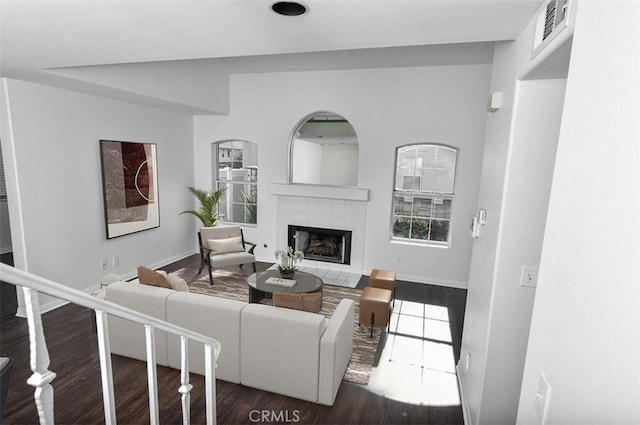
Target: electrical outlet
467,363
543,394
398,259
103,264
529,276
115,261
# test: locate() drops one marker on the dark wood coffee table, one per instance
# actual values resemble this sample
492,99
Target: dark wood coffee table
259,289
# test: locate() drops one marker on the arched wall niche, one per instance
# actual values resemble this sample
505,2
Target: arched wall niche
323,150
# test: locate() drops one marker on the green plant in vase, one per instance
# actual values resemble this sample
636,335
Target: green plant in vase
287,260
208,211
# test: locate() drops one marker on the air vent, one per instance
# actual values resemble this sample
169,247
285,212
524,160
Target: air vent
552,20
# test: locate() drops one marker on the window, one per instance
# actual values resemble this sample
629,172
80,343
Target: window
236,165
423,193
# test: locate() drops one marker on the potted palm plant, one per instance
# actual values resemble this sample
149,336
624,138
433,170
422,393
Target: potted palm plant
208,211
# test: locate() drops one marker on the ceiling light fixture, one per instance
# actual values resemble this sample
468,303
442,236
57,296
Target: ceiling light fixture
289,8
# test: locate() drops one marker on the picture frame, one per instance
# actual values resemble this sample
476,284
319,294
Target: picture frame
129,186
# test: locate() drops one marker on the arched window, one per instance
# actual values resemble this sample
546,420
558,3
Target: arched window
236,167
423,193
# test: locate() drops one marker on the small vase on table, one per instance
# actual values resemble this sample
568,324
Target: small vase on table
287,260
287,273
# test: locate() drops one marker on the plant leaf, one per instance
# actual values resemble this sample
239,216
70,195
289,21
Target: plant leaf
208,212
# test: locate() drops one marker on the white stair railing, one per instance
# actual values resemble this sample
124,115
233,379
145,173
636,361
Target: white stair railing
42,376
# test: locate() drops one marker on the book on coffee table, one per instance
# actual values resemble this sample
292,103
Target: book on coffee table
280,282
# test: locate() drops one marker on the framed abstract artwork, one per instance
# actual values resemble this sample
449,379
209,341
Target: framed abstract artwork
130,187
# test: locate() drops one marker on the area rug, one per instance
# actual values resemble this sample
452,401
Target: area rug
234,286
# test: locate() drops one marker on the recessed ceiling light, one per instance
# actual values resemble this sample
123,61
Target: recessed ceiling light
289,8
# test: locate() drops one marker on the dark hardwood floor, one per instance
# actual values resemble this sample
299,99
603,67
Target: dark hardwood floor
78,398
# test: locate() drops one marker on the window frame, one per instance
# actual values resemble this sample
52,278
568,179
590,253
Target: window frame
431,196
218,183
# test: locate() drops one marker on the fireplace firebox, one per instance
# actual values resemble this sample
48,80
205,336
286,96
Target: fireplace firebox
329,245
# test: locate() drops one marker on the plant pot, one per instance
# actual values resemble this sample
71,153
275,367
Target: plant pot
287,274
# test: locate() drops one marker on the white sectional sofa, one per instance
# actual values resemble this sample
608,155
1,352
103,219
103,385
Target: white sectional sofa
290,352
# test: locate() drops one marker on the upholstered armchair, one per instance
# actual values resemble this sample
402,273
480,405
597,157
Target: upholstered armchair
223,246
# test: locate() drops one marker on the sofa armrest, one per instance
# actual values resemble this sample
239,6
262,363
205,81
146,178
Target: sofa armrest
279,350
335,351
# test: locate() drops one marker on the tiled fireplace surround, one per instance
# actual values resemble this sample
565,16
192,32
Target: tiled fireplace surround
327,213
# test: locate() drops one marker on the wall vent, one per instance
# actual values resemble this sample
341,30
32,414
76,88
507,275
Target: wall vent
552,19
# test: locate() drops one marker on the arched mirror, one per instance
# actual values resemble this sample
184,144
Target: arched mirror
323,150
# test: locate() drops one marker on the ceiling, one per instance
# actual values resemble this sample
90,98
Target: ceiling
69,43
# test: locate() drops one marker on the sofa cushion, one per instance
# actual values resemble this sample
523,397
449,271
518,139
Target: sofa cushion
306,302
222,246
146,276
177,283
214,317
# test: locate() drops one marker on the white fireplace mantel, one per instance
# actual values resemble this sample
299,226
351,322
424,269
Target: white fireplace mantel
320,191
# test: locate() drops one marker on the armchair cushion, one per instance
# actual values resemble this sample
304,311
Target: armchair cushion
147,276
231,259
222,246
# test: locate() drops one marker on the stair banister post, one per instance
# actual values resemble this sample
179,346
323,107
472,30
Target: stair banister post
106,370
210,383
39,359
152,377
185,387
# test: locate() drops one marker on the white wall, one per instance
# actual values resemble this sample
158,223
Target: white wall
585,333
519,151
529,173
60,229
479,296
387,108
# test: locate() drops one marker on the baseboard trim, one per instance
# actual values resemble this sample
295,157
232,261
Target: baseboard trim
434,281
57,303
159,264
175,258
465,406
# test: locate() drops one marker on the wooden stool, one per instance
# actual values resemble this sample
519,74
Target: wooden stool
375,307
385,279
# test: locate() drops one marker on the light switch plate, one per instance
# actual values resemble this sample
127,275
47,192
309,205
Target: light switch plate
529,276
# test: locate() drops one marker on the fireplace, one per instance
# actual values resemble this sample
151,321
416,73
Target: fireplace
330,245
